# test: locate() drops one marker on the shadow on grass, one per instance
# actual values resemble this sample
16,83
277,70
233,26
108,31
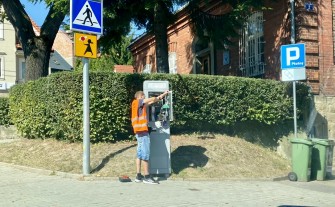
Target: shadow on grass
109,157
190,156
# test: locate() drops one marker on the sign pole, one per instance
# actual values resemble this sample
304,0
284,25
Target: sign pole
295,109
86,16
86,118
294,82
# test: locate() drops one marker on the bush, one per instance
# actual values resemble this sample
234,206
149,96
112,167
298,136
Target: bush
213,102
52,106
4,112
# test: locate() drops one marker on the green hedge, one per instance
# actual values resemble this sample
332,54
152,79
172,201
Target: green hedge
4,112
213,102
51,107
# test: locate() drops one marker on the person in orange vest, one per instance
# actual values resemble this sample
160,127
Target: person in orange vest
139,122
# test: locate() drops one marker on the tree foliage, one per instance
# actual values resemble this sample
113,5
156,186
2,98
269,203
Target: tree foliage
155,16
112,53
118,51
220,29
37,47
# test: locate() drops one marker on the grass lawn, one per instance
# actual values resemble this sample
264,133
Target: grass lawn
192,156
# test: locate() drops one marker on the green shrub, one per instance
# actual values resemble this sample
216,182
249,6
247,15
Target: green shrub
4,112
51,107
212,102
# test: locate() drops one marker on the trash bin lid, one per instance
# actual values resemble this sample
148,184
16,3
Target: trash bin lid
302,141
319,141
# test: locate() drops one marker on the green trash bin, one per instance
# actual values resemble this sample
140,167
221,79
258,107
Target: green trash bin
301,160
320,153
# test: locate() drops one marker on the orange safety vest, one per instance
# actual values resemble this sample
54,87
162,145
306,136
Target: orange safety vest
139,122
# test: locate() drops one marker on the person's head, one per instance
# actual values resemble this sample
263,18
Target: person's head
139,95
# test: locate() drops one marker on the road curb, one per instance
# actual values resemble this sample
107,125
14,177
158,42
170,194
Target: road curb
93,177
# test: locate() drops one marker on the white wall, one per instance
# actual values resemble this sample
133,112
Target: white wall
8,55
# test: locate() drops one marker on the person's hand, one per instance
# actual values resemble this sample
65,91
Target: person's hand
166,92
163,94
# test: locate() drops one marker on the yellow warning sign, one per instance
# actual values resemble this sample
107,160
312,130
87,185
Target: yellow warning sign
85,45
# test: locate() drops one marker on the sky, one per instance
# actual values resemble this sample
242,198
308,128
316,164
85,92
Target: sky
37,11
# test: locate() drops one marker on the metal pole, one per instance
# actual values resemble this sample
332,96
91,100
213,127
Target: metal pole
294,83
292,22
86,119
295,109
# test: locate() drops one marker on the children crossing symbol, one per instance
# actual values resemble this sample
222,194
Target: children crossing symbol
85,45
88,48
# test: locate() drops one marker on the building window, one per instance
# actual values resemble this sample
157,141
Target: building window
22,70
226,57
172,48
173,62
251,47
2,67
147,68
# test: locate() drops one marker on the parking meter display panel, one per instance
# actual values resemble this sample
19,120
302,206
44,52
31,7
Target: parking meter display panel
159,113
155,109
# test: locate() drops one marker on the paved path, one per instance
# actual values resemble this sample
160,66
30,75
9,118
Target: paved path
21,187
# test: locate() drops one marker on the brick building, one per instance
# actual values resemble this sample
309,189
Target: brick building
257,52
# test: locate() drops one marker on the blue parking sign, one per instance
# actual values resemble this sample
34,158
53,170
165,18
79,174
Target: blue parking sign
293,56
293,62
86,16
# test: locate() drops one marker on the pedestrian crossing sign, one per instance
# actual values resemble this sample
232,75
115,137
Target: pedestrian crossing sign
86,16
85,45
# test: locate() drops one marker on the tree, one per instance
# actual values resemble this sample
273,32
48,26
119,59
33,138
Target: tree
37,49
113,53
207,27
155,16
118,51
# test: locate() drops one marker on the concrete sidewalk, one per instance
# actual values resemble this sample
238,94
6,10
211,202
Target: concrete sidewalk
33,188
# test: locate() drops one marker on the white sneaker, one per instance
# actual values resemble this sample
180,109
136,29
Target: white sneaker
139,179
149,181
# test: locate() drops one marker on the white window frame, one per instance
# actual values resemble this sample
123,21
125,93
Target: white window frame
172,62
2,67
22,71
251,45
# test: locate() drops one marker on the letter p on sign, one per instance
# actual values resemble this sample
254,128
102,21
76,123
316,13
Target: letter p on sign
292,53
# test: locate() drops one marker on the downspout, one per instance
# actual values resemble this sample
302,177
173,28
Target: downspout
212,56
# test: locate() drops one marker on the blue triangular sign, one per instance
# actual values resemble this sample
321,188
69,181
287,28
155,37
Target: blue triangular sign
86,16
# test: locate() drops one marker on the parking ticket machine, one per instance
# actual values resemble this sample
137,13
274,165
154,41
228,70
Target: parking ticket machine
159,116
